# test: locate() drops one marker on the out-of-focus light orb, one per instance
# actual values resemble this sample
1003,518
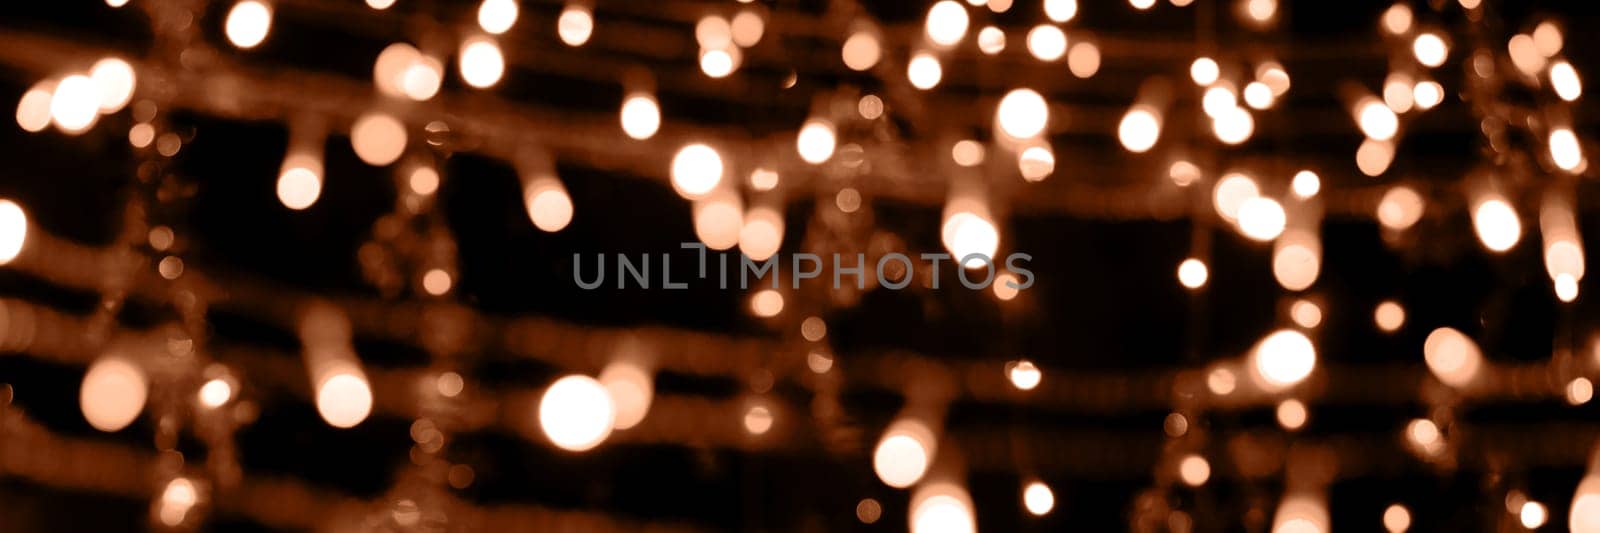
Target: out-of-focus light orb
1566,287
696,169
215,392
942,508
1430,49
1036,163
1547,38
1296,260
1258,95
1423,433
1533,514
766,303
1284,358
713,31
762,179
113,393
967,153
13,230
248,23
946,23
115,80
1564,79
991,40
497,16
1525,54
1580,391
762,233
300,182
719,219
1301,514
424,180
1022,113
748,27
1024,375
1142,5
969,236
1183,173
631,389
1047,42
344,399
1272,74
1060,10
1233,126
1497,224
924,71
1230,194
1204,71
868,510
640,116
577,413
1584,516
549,206
1194,470
1305,184
177,498
1221,381
1083,59
1397,19
816,141
1261,218
1564,149
420,80
1377,121
870,107
1452,356
757,420
481,63
1400,208
819,362
1218,99
389,70
1373,157
903,454
1427,94
575,25
75,104
861,51
375,4
1038,498
33,109
1396,518
719,62
1291,414
1398,92
1003,288
1306,314
1139,130
1192,273
378,138
1389,316
1260,10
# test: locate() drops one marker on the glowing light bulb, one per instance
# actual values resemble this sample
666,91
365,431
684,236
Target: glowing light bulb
1217,100
1036,163
1452,356
1183,173
1022,113
1396,518
903,454
1547,38
1003,286
748,28
497,16
344,399
1038,498
1291,414
719,219
114,79
1194,470
13,230
1260,10
946,23
1564,79
971,238
1258,95
1221,381
300,181
1060,10
631,389
762,179
1142,5
1497,224
1373,157
113,393
1389,316
719,62
1084,59
215,393
1398,93
1533,514
1024,375
248,23
1233,126
696,169
33,109
816,141
1047,43
420,79
1397,19
1430,49
762,233
1564,149
1377,121
1525,54
378,138
640,116
1139,130
549,206
75,104
576,413
481,63
1230,194
1300,513
967,153
1261,218
1284,358
924,71
575,25
991,40
861,51
1400,208
1305,314
757,419
1427,94
375,4
1204,71
1305,184
1192,273
766,303
941,508
177,498
1584,516
1297,260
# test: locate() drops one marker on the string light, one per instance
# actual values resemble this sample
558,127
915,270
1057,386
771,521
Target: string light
1389,316
1398,93
1192,273
861,50
1194,470
631,389
1038,498
248,23
1230,194
816,141
1427,94
766,303
1564,149
1024,375
1217,99
481,63
1260,11
762,233
421,78
378,138
1060,10
719,62
941,508
436,282
215,392
75,104
1584,515
1533,514
924,71
1525,54
1139,129
903,454
763,179
1373,157
33,109
1221,381
758,420
1036,163
375,4
497,16
748,28
1047,43
1564,79
1183,173
1300,513
1142,5
1452,357
1396,518
576,413
1261,218
575,25
549,206
946,23
696,169
300,180
1400,208
1282,359
1204,71
1430,49
1233,126
1305,314
719,219
114,79
1258,95
13,230
1497,224
991,40
967,153
113,393
1397,19
1083,59
1022,113
970,237
1547,39
1305,184
177,499
1377,121
1291,414
1003,286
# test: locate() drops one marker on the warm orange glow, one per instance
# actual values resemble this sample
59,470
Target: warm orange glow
114,79
942,508
378,138
248,23
1389,316
1400,208
549,206
946,23
344,398
640,116
1497,224
696,169
75,104
1283,359
903,454
300,180
861,50
719,219
1291,414
816,141
758,419
481,62
1306,314
762,233
1194,470
1022,113
1038,498
33,109
1083,59
1230,194
1453,357
497,16
1047,43
436,281
13,230
632,390
576,413
766,303
575,25
1396,518
113,393
1024,375
924,71
1430,49
1192,273
1140,128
